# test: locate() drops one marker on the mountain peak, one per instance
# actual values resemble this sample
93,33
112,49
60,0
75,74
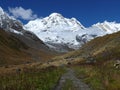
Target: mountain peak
105,23
53,22
108,26
55,14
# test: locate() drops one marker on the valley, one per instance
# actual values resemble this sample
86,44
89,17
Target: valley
58,53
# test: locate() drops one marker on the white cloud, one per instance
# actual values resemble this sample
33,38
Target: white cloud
19,12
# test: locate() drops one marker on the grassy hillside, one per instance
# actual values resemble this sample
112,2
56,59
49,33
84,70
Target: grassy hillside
95,62
98,50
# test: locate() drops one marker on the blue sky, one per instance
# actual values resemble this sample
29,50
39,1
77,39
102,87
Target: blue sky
88,12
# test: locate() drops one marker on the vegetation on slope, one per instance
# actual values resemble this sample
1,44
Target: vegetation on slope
31,79
98,50
105,51
104,77
96,62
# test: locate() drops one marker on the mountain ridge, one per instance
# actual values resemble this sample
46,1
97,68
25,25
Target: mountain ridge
54,20
56,29
57,32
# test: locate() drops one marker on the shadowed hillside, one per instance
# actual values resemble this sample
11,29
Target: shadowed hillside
18,49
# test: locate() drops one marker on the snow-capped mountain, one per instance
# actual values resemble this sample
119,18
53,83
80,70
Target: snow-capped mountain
109,27
15,27
9,23
54,22
56,29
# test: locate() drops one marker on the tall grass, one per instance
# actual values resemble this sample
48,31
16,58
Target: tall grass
33,79
103,77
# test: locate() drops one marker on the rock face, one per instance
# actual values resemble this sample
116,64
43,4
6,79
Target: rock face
64,34
9,23
15,27
22,45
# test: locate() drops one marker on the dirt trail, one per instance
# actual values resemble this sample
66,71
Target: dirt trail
78,84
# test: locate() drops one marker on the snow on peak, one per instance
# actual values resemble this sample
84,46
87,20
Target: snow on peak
57,29
54,21
9,23
55,15
109,27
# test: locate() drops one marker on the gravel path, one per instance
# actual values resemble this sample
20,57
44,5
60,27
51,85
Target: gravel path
78,84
